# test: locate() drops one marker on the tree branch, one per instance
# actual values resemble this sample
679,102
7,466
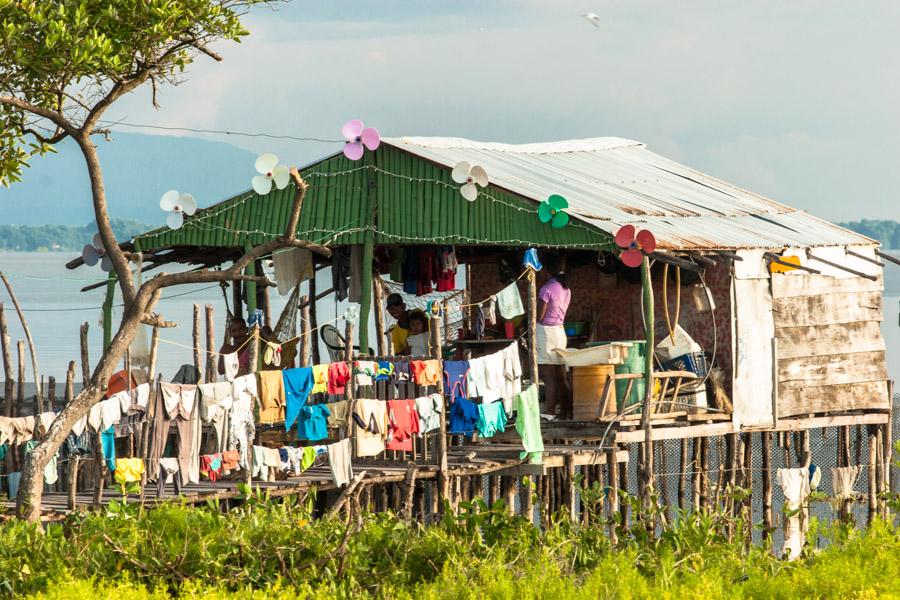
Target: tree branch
57,137
290,230
59,120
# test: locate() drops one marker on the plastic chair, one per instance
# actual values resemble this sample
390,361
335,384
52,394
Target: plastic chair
336,344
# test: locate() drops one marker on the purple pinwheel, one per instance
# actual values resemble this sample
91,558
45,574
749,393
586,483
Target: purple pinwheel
358,137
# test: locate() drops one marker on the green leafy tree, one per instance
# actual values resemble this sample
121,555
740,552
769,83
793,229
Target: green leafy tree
63,63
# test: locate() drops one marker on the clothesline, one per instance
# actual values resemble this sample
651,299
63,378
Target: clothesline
516,280
254,335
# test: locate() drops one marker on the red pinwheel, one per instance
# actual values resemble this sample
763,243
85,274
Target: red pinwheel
634,247
359,136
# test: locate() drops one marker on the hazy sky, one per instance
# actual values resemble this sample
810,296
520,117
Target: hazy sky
795,100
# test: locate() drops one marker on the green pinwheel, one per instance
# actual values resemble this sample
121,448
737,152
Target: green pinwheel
552,211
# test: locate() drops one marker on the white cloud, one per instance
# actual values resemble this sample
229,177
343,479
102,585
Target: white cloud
757,93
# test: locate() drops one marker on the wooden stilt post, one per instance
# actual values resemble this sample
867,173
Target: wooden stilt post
494,491
305,339
571,491
526,496
151,370
263,293
9,384
612,465
508,488
873,484
437,343
27,330
664,480
880,467
69,392
704,471
696,478
253,360
107,309
767,483
51,392
20,394
378,301
85,364
647,410
805,454
198,363
313,322
9,375
682,472
532,325
211,361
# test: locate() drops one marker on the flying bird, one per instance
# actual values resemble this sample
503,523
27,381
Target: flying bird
592,18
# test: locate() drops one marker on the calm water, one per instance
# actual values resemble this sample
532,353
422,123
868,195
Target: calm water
55,309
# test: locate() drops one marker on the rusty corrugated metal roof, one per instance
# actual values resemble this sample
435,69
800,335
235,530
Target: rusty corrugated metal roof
610,182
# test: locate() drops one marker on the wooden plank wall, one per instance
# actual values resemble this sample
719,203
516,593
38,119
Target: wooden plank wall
831,356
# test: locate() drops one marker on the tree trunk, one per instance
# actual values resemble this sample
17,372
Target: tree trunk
31,486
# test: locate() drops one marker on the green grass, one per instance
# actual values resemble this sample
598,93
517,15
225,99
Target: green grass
274,550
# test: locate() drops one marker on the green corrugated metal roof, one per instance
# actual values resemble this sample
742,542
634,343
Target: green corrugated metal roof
417,202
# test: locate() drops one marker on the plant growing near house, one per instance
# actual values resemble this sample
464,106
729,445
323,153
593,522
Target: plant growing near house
63,64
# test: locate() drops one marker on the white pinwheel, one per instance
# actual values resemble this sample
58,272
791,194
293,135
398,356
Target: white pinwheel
270,171
95,252
177,205
469,176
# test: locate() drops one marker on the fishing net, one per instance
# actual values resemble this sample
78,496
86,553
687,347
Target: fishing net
454,299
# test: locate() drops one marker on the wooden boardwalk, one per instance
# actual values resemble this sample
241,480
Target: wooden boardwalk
463,461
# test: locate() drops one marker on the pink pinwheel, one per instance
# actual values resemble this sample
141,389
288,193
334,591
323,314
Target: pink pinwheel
358,136
634,247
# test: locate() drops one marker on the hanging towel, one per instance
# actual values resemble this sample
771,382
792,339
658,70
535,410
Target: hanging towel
168,468
215,407
795,485
51,474
365,371
297,385
371,421
339,462
312,422
491,419
129,470
232,365
429,409
463,417
512,376
338,416
510,302
271,397
404,424
320,375
291,267
489,307
843,479
338,376
528,425
425,372
140,397
260,470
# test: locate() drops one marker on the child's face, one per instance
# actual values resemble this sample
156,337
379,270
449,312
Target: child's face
416,326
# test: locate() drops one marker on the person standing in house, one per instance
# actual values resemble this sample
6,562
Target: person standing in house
553,302
399,332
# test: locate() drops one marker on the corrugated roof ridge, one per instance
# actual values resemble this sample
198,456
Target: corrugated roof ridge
558,147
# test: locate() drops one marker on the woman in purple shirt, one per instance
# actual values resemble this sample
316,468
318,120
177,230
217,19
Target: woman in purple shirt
553,302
